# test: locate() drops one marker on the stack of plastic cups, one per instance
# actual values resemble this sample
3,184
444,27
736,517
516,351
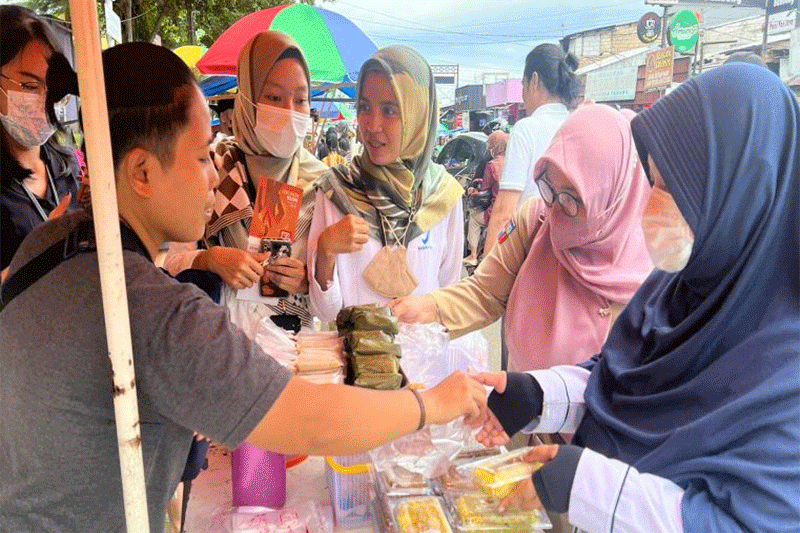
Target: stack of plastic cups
258,477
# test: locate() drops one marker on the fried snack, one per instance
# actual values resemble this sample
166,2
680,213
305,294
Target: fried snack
398,477
453,481
421,515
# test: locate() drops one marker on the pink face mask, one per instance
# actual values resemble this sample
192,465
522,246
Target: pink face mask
668,236
26,120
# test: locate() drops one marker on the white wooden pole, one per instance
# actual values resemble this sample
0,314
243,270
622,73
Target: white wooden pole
86,36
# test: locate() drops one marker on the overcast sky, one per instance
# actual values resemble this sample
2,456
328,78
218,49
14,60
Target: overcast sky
493,35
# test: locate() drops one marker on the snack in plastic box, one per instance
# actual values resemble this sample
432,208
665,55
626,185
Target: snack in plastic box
478,512
399,482
497,476
453,481
375,364
420,515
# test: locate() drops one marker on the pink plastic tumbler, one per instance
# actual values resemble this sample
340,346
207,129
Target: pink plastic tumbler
258,477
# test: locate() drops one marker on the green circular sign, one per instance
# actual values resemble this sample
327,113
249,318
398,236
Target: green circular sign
684,31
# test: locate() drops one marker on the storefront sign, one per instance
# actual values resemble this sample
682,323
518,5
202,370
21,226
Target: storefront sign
649,27
684,31
611,85
780,6
658,69
469,98
782,22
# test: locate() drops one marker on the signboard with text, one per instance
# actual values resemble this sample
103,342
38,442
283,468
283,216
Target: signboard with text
782,22
611,85
780,6
658,69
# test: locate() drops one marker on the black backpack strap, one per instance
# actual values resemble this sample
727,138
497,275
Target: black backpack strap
80,240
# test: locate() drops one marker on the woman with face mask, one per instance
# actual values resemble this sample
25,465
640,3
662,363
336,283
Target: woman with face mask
39,177
390,223
687,419
568,261
270,120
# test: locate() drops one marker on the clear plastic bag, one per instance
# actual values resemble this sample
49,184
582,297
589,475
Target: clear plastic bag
428,452
424,353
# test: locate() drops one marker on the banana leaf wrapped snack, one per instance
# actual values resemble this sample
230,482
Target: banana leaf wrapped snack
376,364
379,381
359,345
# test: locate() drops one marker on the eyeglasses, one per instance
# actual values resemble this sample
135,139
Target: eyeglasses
569,203
33,87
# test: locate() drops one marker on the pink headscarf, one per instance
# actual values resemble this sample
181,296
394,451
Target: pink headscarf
558,310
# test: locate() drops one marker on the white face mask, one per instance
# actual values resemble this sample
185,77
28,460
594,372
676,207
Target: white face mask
26,120
281,131
668,236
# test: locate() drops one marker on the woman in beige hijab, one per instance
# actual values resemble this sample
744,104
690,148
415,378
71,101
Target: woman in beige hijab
390,223
271,117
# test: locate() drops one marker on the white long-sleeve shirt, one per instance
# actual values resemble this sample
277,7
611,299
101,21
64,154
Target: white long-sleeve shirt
434,257
608,496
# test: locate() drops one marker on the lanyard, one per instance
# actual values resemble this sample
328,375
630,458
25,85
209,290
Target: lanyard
35,200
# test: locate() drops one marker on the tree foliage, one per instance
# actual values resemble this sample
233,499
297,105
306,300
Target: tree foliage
170,19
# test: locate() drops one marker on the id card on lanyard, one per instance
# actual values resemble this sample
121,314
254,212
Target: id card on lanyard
35,200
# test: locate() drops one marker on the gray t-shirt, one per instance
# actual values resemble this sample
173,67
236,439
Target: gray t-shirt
195,371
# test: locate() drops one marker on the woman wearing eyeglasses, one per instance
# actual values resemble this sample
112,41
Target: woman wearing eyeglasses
568,262
39,178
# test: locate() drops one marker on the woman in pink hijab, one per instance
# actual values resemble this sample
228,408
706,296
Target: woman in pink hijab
568,261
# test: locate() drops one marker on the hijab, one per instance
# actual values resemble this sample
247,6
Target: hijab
496,146
302,170
411,195
699,381
573,284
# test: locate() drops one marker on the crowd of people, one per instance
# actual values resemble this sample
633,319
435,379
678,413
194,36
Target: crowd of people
648,268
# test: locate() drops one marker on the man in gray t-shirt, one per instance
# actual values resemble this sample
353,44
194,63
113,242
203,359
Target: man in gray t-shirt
59,465
194,370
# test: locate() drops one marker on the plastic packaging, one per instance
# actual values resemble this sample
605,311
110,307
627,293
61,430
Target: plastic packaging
258,477
477,512
307,517
498,476
398,482
427,452
419,515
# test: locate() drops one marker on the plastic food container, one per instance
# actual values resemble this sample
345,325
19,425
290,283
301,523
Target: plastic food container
399,482
349,485
477,512
498,476
419,515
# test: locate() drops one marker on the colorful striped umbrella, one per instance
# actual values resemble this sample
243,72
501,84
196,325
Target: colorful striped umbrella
334,47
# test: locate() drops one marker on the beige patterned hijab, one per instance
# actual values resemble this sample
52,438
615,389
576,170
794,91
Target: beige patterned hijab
302,170
411,195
